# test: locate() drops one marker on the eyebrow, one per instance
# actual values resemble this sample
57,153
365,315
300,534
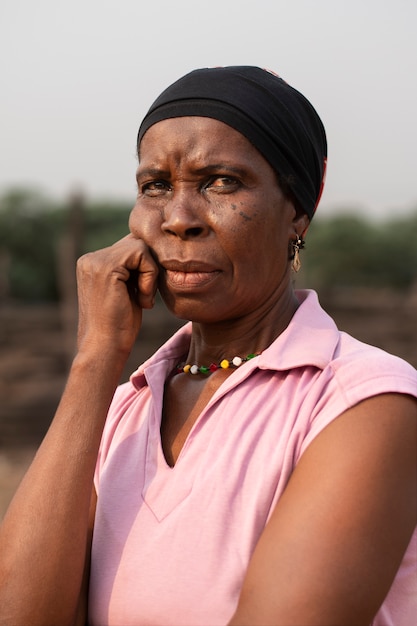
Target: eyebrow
207,169
154,172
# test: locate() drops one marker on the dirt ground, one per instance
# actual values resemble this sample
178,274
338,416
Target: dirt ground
34,361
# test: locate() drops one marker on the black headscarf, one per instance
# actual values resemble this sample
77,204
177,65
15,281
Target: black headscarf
278,120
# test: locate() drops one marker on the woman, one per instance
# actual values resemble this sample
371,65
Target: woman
260,467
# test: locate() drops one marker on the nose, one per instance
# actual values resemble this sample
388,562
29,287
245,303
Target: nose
184,220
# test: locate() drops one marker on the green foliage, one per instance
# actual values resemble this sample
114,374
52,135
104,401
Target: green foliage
349,251
342,251
104,224
31,228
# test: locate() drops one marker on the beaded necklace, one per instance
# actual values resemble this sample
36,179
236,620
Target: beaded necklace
225,364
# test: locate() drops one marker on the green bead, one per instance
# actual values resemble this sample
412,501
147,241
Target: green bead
204,369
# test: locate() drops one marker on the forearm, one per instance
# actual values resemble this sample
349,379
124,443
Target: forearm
44,537
44,534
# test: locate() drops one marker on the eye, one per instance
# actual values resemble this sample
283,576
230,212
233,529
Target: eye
222,184
154,188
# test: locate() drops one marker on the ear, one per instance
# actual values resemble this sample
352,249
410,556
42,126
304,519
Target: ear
301,224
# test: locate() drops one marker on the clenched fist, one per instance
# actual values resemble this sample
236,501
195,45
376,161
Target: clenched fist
114,285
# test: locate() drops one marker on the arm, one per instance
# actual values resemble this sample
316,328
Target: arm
44,538
333,545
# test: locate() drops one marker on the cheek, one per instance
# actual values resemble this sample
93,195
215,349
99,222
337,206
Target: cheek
238,222
251,224
261,242
143,224
243,214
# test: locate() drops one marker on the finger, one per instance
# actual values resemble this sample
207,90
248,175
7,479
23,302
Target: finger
147,284
143,269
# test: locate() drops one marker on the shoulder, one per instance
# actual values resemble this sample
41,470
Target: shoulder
329,371
357,373
360,371
313,343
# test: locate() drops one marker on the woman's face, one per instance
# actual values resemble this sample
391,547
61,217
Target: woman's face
210,209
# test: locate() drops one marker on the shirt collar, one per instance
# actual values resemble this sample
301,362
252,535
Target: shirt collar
166,357
310,339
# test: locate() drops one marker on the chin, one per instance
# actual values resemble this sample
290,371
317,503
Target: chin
192,309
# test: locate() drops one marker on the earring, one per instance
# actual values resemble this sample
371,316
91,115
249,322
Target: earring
297,245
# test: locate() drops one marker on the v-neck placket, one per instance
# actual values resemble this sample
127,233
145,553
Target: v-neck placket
166,487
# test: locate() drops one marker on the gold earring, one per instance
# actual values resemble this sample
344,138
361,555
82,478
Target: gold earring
297,245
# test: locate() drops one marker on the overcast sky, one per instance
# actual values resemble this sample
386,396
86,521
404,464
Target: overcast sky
78,76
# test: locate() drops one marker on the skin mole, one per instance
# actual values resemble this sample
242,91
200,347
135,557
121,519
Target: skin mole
245,216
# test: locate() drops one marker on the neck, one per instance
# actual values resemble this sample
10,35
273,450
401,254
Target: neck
252,333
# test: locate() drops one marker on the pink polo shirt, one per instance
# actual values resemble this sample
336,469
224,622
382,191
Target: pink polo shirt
172,544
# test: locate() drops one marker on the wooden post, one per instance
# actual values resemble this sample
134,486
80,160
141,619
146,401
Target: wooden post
4,275
70,248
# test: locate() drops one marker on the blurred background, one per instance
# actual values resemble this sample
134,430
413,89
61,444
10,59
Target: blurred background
75,81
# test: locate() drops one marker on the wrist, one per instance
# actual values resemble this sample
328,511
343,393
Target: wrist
104,363
102,348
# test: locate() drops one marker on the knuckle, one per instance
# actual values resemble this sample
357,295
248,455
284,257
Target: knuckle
91,263
84,259
85,262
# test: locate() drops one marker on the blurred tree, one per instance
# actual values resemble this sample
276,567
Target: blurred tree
396,241
339,250
349,251
105,223
29,226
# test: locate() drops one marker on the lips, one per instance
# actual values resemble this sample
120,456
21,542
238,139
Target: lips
189,274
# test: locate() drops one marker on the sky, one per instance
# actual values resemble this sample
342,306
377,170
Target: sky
77,77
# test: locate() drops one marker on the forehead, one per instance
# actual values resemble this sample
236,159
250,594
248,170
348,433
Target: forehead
187,135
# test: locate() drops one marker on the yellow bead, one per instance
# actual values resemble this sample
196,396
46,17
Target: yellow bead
187,368
224,364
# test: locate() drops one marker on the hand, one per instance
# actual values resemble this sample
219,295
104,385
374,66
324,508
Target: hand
114,285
